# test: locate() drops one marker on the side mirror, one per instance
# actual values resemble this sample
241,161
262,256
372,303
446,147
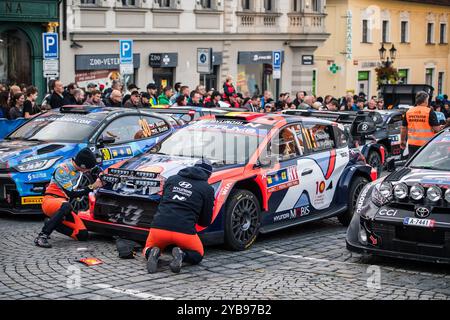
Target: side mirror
105,140
393,165
366,128
267,162
155,149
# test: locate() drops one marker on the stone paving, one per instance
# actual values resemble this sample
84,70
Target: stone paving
306,262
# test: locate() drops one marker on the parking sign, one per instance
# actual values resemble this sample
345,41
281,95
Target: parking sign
50,45
126,51
277,60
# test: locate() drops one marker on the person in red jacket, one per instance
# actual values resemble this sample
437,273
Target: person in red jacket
228,89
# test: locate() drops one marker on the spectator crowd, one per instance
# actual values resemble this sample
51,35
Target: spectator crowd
21,101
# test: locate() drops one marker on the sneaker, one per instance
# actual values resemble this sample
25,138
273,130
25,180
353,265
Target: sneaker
152,259
42,241
177,261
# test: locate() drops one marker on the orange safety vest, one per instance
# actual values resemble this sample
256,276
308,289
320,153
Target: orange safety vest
419,129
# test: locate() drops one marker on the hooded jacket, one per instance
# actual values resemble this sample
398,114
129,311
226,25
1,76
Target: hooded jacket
187,200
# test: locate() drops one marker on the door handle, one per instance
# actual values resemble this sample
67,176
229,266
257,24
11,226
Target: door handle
307,171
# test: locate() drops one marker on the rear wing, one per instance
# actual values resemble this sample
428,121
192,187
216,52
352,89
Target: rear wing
339,117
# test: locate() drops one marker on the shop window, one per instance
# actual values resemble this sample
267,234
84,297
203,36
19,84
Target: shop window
403,76
15,58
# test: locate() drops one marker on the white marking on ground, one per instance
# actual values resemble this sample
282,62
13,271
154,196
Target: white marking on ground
309,258
132,292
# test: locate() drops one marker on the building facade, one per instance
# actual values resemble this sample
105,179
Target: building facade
21,26
417,29
242,33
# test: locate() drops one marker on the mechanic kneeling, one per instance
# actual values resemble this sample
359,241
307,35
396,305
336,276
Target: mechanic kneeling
63,188
187,200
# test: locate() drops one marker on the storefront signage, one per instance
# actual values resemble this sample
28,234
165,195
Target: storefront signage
348,41
102,61
163,60
29,11
307,60
370,64
257,57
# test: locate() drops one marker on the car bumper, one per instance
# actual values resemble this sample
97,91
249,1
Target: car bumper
362,249
136,233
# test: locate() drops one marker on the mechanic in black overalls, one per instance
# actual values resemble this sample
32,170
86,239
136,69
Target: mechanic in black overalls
187,200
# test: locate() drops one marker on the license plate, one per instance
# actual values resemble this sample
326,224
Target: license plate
425,223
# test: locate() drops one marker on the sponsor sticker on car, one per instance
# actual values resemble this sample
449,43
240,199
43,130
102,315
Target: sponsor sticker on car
425,223
31,200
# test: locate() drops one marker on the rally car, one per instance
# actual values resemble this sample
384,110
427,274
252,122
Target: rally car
270,172
185,115
360,128
388,126
406,214
29,155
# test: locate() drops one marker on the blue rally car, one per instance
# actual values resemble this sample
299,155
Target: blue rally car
29,154
270,172
406,214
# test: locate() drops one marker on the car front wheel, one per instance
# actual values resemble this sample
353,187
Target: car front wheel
242,220
356,187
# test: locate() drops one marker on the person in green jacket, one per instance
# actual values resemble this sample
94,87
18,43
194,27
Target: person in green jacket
164,98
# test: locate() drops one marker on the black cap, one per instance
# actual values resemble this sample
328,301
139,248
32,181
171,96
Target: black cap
145,95
205,165
152,86
85,159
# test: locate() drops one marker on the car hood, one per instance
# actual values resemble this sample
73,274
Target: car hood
420,176
16,152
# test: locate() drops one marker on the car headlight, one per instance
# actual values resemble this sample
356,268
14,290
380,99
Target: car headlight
37,165
401,191
378,198
447,195
386,189
434,193
417,192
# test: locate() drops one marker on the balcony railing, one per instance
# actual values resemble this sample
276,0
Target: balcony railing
253,22
306,22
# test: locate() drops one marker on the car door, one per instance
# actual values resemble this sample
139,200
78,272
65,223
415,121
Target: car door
322,166
132,135
286,148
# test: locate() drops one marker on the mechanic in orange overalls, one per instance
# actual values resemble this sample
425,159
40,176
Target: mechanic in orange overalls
62,188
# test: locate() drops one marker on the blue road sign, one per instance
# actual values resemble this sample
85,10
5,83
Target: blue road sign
126,51
50,45
277,60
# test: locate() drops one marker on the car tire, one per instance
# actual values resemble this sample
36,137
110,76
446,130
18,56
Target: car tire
374,160
242,220
356,187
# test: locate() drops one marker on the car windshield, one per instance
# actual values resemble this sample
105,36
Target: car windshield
223,143
56,127
435,155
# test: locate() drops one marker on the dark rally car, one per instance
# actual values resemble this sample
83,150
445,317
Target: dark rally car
407,214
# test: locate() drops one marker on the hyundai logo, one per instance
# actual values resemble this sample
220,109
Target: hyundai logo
422,212
185,185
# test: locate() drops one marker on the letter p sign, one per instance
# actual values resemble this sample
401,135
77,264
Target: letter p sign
126,51
50,46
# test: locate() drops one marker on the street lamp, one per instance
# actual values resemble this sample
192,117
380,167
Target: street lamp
387,61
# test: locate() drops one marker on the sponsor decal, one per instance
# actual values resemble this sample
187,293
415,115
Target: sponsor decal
116,153
425,223
293,214
226,188
388,212
31,200
282,179
177,197
362,198
29,159
34,176
182,191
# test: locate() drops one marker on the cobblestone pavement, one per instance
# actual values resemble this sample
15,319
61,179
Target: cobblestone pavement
306,262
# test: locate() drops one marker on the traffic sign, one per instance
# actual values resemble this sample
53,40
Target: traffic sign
126,69
204,60
51,65
277,60
126,51
50,45
51,74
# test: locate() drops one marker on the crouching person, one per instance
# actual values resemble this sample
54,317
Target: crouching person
187,200
62,188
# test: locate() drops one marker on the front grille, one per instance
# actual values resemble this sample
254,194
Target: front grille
440,207
9,196
414,240
125,211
